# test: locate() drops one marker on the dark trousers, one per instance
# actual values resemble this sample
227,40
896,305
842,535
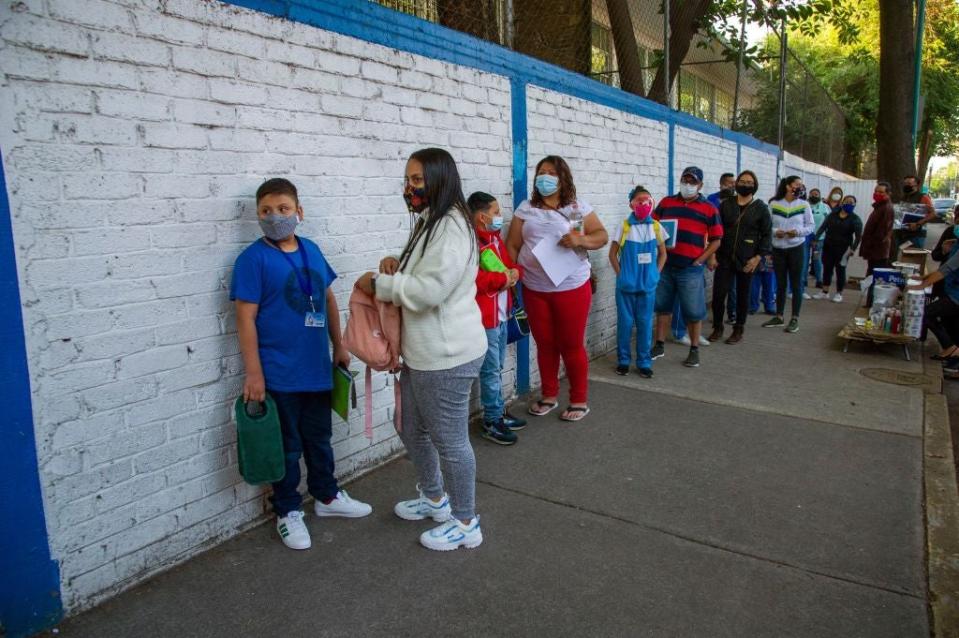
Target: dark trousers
306,422
790,265
942,319
871,265
729,280
832,262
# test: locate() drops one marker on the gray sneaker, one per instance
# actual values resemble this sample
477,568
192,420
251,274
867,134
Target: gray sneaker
692,360
775,322
793,325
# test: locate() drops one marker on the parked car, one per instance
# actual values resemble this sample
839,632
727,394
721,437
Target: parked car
944,208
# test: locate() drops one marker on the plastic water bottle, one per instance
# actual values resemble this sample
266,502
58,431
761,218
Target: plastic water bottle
576,222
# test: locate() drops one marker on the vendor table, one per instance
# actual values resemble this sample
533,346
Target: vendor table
853,332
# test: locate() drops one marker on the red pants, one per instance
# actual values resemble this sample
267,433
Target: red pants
558,323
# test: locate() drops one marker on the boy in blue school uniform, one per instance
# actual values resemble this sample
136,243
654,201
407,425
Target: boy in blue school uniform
637,258
286,320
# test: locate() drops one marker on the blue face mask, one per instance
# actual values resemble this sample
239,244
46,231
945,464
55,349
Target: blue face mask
849,208
546,185
496,224
277,227
955,231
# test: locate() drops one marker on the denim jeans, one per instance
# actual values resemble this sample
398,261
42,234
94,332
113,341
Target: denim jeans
815,260
687,285
763,289
306,423
491,386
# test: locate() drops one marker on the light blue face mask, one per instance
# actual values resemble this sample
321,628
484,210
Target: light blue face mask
277,227
496,224
547,184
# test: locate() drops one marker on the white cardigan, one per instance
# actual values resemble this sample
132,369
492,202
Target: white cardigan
442,325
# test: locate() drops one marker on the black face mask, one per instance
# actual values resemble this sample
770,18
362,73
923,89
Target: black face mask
814,199
745,190
727,192
908,190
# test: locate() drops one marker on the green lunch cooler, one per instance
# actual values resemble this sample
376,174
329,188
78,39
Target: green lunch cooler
259,441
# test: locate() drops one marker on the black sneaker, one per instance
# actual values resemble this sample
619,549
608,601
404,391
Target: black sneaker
793,326
622,370
512,422
775,322
498,433
658,351
731,321
646,373
692,361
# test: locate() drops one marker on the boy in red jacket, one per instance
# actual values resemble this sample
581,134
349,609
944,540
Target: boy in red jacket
497,274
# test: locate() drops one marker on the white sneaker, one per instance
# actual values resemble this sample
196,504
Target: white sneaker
343,506
684,341
837,298
703,341
453,535
422,507
806,295
293,532
821,295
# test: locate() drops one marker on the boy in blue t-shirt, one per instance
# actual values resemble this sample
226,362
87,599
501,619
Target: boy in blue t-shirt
637,258
286,317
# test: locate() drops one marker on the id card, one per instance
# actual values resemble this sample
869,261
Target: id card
645,258
315,320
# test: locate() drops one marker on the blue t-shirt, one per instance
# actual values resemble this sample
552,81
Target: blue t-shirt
295,358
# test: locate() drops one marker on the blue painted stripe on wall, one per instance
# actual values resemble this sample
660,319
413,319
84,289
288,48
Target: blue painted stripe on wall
372,22
30,581
520,189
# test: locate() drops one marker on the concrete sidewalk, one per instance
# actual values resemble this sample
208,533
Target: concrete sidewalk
774,491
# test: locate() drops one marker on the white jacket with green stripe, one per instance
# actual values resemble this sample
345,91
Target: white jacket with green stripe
795,215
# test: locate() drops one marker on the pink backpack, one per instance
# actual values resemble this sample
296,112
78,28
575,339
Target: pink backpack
372,335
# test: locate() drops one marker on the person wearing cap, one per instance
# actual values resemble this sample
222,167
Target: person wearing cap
699,231
637,258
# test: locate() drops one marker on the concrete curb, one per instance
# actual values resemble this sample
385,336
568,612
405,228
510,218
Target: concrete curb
942,517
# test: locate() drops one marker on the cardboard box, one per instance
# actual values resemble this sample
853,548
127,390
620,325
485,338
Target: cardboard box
917,256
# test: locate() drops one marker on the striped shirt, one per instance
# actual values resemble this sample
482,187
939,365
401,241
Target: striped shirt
795,215
697,222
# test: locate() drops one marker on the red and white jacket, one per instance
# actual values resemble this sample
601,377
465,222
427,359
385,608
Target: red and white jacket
489,285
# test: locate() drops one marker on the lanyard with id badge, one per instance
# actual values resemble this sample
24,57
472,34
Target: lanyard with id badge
313,318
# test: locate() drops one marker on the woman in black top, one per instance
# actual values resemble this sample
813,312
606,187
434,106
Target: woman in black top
843,231
747,238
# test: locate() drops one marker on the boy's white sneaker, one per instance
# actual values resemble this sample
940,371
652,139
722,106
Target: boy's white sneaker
684,340
343,506
805,295
821,295
420,508
837,298
292,531
703,341
453,535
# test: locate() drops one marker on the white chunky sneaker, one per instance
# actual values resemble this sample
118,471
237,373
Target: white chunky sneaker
703,341
343,506
293,532
684,341
837,298
453,535
422,507
821,295
805,295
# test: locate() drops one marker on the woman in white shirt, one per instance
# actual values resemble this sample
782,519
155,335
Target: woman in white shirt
557,296
443,346
792,222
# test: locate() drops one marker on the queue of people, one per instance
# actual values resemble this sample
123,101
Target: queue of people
456,279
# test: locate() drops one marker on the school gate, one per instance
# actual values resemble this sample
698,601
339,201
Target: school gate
134,134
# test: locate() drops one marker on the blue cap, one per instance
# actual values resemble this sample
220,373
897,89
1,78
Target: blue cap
695,171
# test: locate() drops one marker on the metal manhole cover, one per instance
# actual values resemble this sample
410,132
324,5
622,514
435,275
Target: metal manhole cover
897,377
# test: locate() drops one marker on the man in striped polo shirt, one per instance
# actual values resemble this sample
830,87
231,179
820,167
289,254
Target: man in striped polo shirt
699,231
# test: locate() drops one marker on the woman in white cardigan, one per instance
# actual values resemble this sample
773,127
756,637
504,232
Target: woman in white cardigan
434,282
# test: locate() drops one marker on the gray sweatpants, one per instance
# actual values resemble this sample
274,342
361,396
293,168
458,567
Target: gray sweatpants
436,406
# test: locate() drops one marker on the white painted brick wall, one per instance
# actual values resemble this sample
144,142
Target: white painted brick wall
609,152
712,154
134,135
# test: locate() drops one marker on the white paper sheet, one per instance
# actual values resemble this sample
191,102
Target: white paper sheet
558,262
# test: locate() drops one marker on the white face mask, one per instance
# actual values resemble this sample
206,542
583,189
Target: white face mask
688,191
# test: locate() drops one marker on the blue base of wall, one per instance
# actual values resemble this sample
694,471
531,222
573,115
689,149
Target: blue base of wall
29,579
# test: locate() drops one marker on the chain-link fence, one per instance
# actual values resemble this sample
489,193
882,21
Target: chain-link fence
620,43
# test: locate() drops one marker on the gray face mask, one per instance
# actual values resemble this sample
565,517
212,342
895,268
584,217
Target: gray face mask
277,227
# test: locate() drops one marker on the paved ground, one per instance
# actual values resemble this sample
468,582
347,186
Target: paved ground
773,492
